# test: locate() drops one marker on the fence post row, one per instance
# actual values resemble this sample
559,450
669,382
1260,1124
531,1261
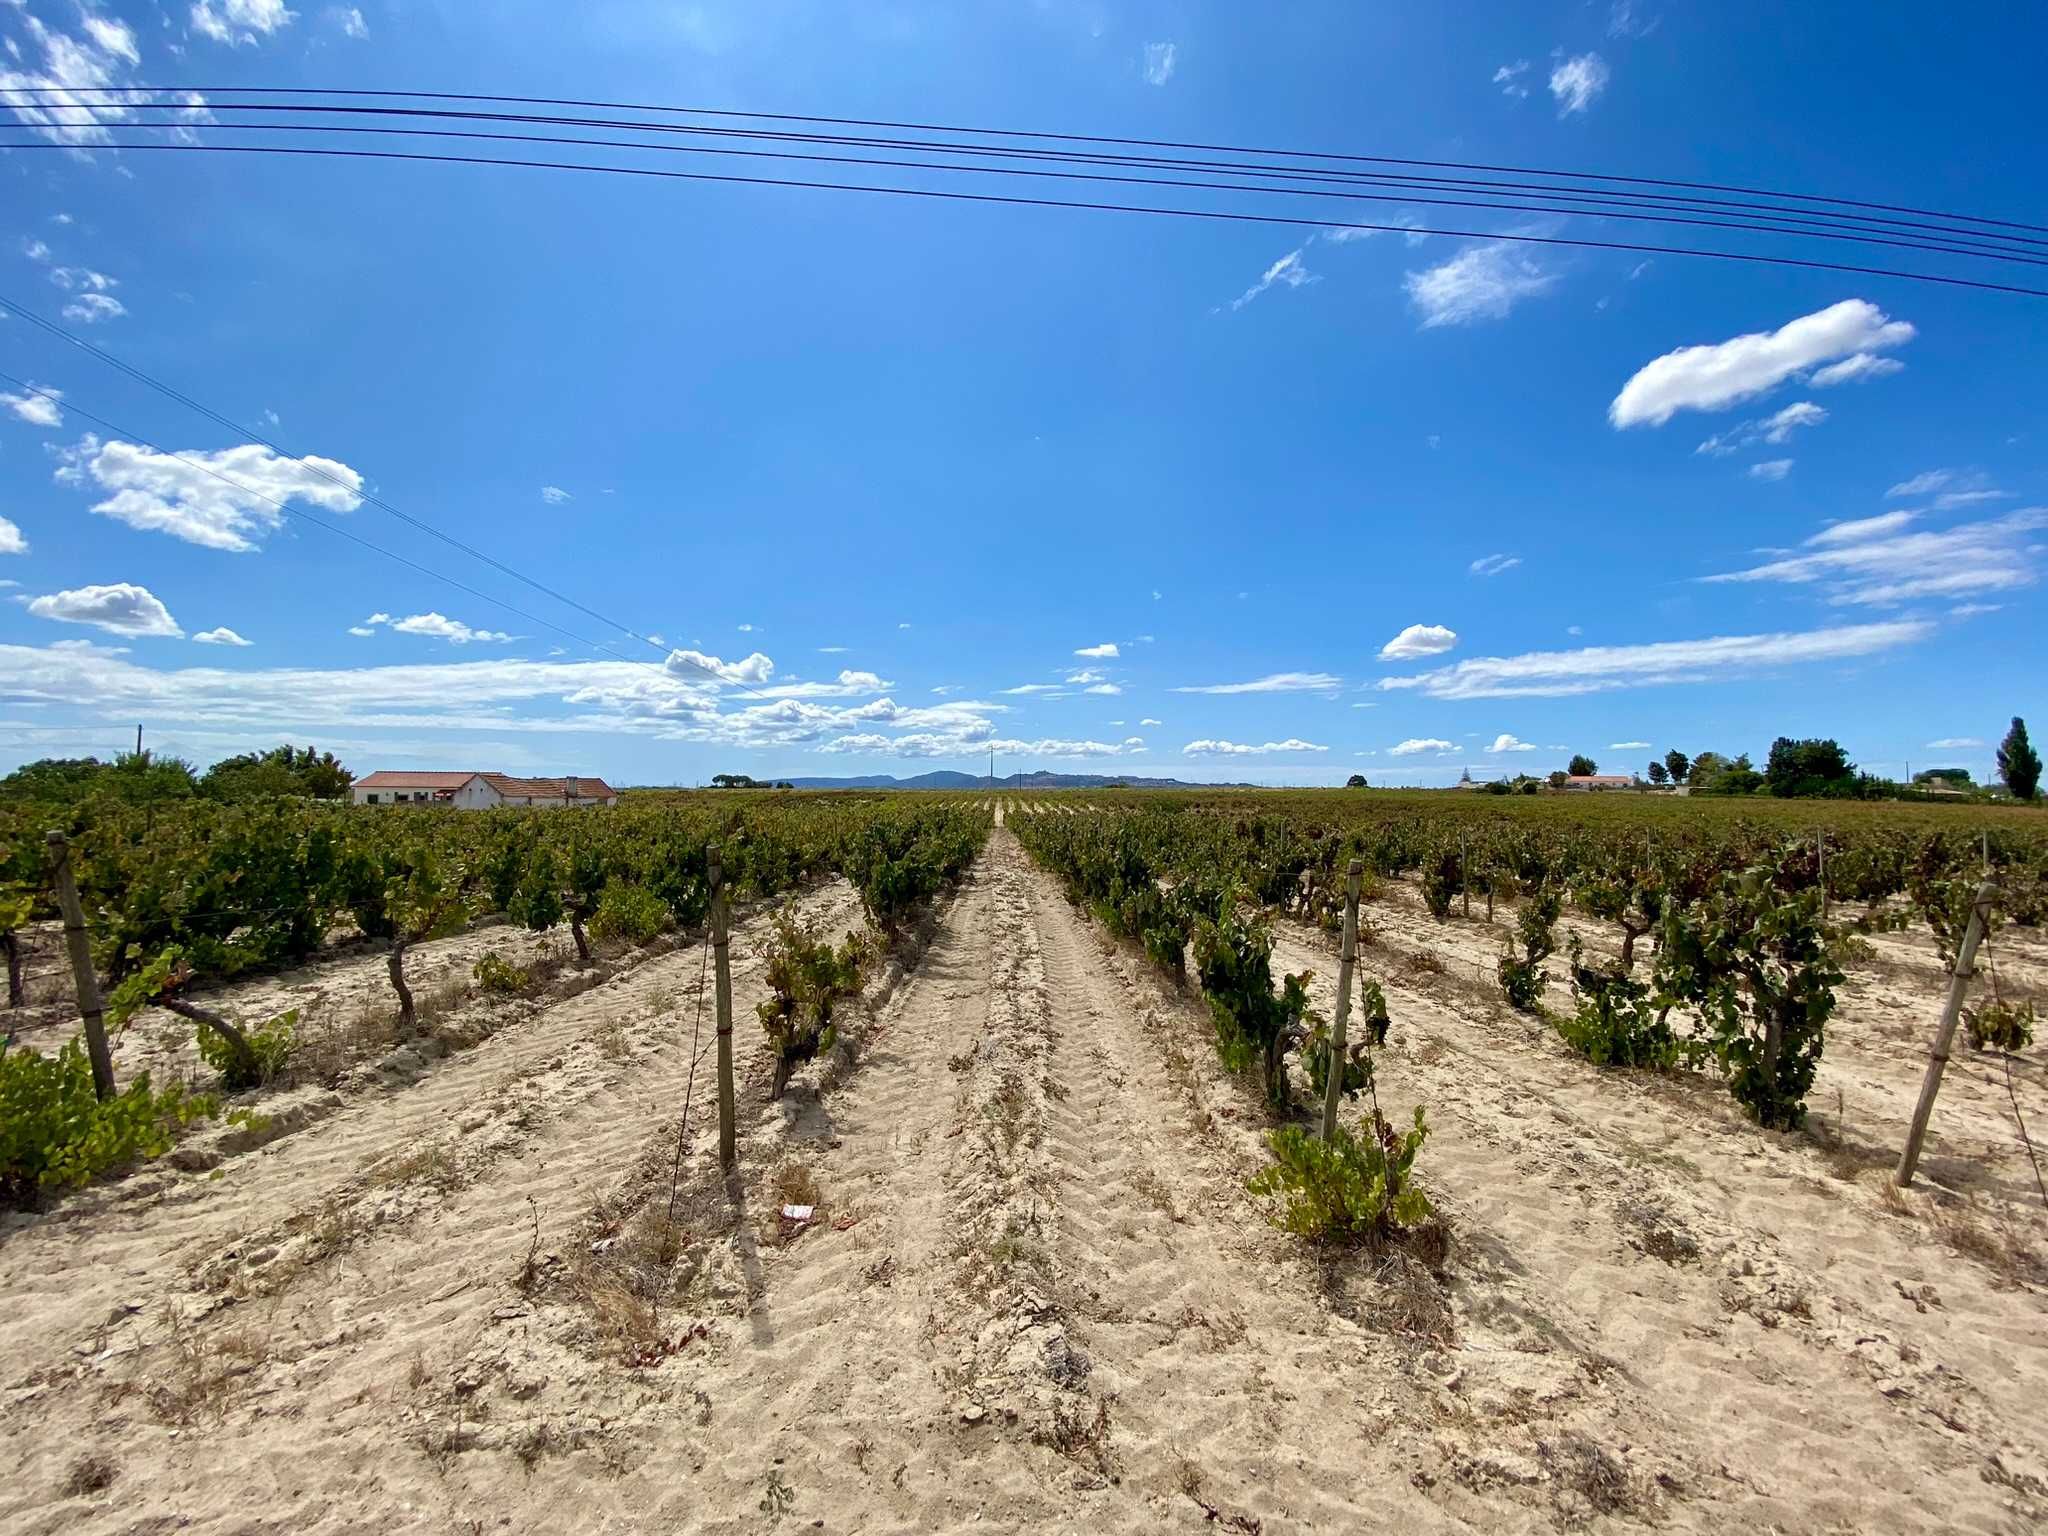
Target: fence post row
1945,1032
1333,1078
728,1135
82,978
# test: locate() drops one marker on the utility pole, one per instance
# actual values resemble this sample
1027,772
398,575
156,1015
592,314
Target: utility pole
138,738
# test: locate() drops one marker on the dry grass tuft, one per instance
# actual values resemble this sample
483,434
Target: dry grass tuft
91,1473
795,1184
1081,1437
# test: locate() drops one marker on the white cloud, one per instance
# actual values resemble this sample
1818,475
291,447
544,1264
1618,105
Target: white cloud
1159,61
1211,748
1921,485
833,650
1481,282
351,22
92,308
554,495
1854,369
34,249
1419,640
220,636
1711,378
1576,82
235,22
1602,668
1288,271
1887,566
111,37
1110,689
1103,652
1771,469
1955,743
1506,743
1776,429
1086,675
1627,746
1857,529
361,631
120,608
1957,488
1418,744
61,99
224,500
38,410
438,626
1509,78
1276,682
82,280
1493,565
11,540
1049,690
1148,720
904,625
1630,18
754,668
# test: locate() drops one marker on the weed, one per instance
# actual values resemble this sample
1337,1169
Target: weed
1081,1437
499,977
795,1184
861,1450
777,1497
435,1167
89,1474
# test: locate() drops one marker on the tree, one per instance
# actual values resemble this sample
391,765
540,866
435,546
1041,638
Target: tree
1557,779
1713,774
1658,772
284,770
1356,781
1814,766
1582,766
1677,764
2019,765
1947,775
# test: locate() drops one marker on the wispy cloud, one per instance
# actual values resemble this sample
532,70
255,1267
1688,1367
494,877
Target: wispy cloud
1578,81
1600,669
1509,78
1288,272
1160,59
1481,282
1776,429
1955,743
1419,640
1951,489
1771,469
1213,748
1276,682
1855,369
1631,18
1712,378
1627,746
236,22
1493,565
554,495
1885,565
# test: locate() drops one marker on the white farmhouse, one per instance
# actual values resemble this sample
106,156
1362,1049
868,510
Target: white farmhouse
479,791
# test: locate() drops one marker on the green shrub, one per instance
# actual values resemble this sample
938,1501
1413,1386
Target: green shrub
270,1045
628,912
54,1132
1344,1190
1616,1023
1999,1025
807,977
1255,1025
1440,881
1366,1031
1522,976
499,976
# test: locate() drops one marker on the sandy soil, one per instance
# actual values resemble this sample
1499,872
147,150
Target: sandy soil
1033,1293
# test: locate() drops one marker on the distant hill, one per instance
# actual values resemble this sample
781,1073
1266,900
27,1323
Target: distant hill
949,778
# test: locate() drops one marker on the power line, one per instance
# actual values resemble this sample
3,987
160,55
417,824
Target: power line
1083,138
1010,200
1320,174
1631,212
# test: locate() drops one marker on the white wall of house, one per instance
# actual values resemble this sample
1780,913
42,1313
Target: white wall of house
476,795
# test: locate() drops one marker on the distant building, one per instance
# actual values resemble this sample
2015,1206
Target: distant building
479,791
1600,781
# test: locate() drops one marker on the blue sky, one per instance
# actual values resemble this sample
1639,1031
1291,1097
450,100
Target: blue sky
896,480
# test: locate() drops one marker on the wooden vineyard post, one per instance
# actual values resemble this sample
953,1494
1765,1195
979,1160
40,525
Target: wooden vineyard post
721,965
1945,1032
1333,1077
1823,841
82,977
1465,870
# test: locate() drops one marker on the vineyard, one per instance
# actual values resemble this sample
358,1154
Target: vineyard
411,1150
